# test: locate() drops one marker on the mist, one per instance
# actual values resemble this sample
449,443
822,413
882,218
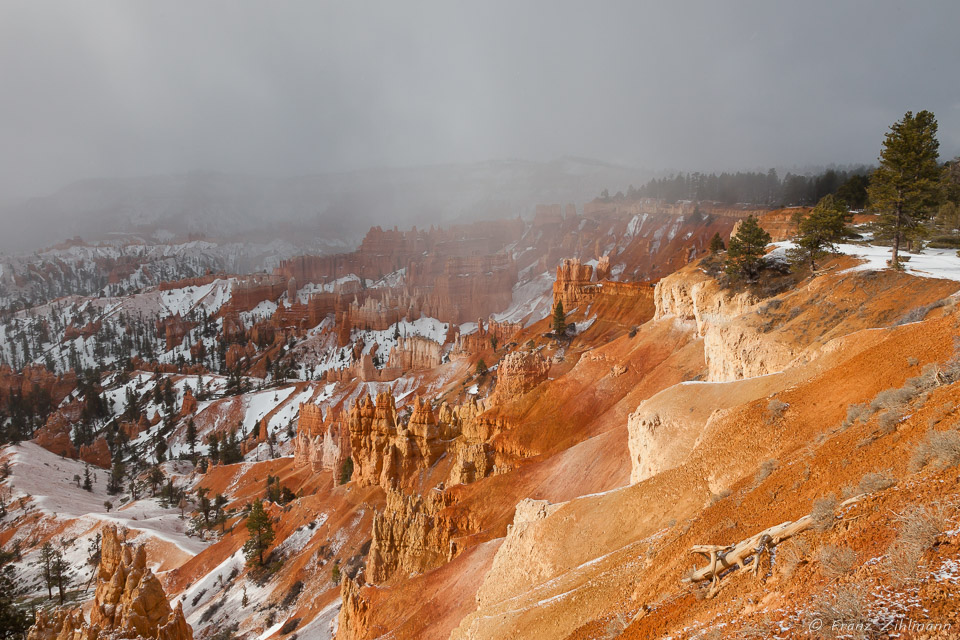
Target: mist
277,90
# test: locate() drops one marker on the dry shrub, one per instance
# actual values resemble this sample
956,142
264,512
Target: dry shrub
918,528
941,412
843,611
791,554
874,481
940,449
950,370
856,412
888,421
766,468
774,412
836,561
824,513
893,398
927,379
717,497
756,630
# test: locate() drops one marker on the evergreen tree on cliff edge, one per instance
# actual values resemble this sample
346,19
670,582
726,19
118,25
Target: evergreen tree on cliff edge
260,530
906,187
745,251
559,319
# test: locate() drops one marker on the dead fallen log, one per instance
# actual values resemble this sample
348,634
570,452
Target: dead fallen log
721,558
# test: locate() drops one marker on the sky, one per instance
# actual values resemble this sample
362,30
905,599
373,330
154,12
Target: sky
103,89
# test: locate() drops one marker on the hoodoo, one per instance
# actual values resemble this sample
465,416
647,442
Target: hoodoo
129,602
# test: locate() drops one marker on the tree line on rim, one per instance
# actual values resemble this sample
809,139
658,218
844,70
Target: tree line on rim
915,196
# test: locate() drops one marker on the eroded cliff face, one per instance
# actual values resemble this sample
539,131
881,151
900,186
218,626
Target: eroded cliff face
410,536
34,381
488,333
518,565
415,353
665,428
55,434
520,372
732,349
129,602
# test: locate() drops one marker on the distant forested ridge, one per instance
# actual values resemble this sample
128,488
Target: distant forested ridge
758,188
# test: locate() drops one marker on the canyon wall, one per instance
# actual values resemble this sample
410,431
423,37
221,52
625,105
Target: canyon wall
732,349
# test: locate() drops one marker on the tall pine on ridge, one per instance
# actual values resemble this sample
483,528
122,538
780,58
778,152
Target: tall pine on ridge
745,250
906,187
260,532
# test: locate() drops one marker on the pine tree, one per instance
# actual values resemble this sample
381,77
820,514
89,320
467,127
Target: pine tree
117,473
192,438
213,442
559,319
87,484
745,252
260,531
61,574
819,230
45,562
155,478
219,513
14,621
481,367
716,243
906,187
346,470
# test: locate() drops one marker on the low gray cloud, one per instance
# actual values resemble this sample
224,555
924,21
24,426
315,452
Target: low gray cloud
286,88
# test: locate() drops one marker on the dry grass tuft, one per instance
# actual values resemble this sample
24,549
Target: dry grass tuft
917,531
940,449
888,421
766,468
843,611
871,482
791,554
824,513
775,410
836,561
893,398
856,412
717,497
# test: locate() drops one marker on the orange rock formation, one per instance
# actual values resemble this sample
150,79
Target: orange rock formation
129,602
